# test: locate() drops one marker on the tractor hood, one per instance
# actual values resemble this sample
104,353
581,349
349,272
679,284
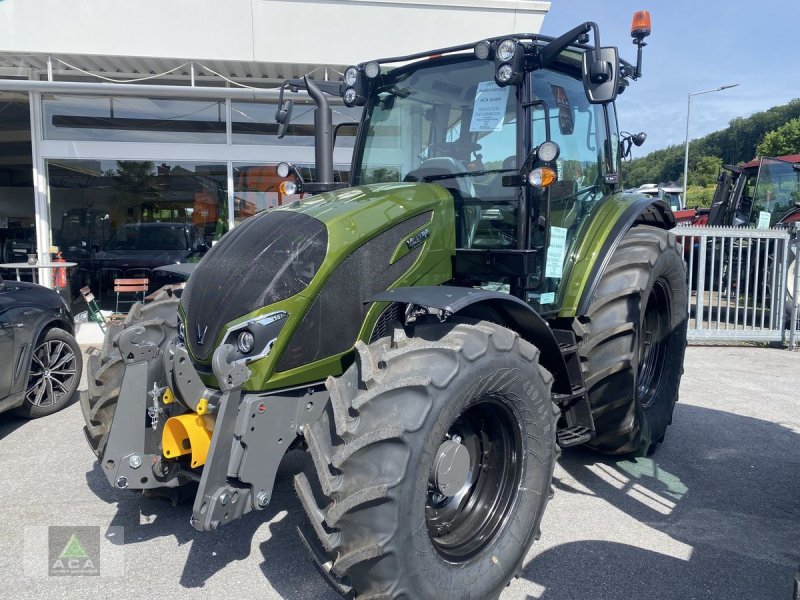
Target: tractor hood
314,264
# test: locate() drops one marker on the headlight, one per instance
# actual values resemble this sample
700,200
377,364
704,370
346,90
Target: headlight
350,96
288,188
351,76
506,50
372,70
505,73
245,342
181,332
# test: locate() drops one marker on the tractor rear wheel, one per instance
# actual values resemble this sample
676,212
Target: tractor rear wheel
105,368
432,464
634,341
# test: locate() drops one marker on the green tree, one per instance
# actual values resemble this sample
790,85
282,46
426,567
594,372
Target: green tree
704,171
781,141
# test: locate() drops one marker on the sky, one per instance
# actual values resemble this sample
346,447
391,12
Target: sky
696,45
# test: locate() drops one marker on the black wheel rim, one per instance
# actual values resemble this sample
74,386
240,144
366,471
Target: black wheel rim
53,371
653,342
462,525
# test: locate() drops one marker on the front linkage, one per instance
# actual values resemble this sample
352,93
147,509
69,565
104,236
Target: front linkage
251,432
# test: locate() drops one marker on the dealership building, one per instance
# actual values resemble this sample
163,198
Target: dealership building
115,115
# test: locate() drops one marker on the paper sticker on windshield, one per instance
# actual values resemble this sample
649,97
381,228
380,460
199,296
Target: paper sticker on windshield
763,219
566,122
490,107
547,298
555,252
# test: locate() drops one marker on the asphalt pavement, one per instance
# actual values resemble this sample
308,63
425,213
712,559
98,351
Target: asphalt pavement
715,513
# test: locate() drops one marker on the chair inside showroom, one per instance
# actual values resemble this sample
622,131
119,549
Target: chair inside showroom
131,291
93,309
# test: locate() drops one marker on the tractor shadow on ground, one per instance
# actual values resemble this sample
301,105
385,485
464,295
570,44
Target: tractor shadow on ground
724,486
284,559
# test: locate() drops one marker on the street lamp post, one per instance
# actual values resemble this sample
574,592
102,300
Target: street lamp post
688,114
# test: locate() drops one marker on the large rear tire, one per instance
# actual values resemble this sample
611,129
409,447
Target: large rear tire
432,464
634,341
105,368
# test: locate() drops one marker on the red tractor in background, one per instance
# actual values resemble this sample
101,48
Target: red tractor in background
764,192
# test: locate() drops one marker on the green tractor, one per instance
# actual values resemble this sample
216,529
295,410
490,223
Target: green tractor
481,294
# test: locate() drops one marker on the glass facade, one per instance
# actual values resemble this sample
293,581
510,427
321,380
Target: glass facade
256,187
130,184
125,218
254,123
17,207
126,119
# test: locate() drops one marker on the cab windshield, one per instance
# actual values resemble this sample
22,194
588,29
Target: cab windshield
777,191
430,113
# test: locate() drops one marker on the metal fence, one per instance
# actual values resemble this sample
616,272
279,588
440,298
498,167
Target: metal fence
743,283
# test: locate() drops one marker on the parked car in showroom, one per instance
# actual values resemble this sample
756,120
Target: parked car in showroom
41,362
135,249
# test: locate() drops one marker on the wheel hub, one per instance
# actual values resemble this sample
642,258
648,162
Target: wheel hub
451,469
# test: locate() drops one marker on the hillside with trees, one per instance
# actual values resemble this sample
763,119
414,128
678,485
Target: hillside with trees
773,132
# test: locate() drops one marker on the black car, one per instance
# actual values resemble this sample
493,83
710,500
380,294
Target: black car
40,361
135,249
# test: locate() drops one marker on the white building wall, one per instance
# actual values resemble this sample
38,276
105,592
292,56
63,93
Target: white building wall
276,31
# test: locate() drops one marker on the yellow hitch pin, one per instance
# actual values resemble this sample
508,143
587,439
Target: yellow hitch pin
168,397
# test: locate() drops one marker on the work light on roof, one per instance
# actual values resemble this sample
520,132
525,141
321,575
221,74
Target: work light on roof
351,76
372,70
482,50
506,50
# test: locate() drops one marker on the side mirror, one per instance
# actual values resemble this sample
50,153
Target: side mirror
284,116
600,69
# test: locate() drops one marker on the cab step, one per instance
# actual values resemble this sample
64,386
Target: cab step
573,436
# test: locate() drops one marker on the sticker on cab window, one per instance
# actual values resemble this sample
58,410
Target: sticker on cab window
763,219
566,122
489,108
555,252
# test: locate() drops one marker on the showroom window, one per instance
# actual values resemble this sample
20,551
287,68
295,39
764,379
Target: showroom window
17,207
126,218
256,187
254,123
129,119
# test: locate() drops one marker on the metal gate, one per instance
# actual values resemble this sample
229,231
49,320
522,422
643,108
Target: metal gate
743,283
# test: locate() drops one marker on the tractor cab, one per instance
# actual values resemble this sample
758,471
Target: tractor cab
521,131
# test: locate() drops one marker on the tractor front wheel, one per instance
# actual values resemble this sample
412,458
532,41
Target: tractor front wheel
432,465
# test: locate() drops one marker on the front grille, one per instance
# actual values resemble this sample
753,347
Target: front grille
268,258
